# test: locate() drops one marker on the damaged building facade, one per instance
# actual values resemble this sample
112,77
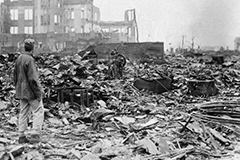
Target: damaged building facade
237,44
58,25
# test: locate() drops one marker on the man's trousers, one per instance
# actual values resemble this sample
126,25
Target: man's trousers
37,109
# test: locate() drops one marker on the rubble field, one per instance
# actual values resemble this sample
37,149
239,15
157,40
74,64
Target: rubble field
121,122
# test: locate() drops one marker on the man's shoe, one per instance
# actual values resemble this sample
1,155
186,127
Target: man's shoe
35,138
23,139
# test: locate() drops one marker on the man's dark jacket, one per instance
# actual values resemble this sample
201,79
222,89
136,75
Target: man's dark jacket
26,78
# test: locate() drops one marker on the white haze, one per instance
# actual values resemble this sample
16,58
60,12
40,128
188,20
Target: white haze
211,22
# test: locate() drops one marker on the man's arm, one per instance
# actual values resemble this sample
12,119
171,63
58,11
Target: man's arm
33,79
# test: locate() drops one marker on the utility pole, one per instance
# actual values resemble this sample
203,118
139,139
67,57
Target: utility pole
135,19
92,15
193,42
183,42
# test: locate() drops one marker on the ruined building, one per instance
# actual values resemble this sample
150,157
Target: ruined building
237,43
58,25
127,27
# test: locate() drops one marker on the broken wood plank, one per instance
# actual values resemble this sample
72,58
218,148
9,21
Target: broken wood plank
218,136
216,119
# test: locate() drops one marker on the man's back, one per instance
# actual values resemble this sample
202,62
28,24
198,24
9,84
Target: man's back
25,72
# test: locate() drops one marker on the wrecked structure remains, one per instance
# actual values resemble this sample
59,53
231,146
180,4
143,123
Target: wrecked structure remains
61,24
133,51
115,118
237,43
185,108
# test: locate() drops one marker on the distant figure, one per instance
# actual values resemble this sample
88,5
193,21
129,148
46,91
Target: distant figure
117,65
29,92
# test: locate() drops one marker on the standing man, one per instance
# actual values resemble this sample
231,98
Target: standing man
117,65
29,92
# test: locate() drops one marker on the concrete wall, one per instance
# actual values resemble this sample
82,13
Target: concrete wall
52,42
21,5
1,19
48,11
84,18
128,26
133,51
89,22
237,43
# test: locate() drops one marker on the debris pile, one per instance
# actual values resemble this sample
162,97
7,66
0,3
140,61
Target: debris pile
123,122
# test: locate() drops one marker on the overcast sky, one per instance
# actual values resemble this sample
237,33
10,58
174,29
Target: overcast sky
211,22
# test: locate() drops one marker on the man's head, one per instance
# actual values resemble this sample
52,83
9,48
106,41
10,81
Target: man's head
29,44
